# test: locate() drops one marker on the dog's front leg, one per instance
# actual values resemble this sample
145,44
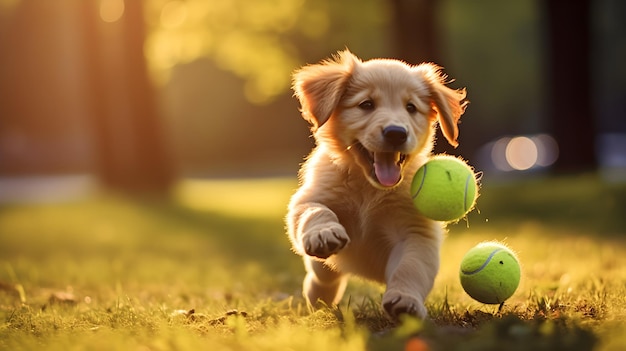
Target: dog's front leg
316,233
322,284
410,275
315,230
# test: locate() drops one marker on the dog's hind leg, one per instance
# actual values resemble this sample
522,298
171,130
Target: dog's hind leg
322,285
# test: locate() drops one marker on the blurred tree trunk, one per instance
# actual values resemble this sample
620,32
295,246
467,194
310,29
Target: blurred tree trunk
569,77
415,30
130,145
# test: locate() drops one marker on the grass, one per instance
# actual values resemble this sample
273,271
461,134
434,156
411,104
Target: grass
212,269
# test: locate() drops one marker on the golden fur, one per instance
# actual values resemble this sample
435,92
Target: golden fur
374,124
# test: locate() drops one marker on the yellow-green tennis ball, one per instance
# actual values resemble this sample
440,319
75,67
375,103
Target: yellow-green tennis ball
490,273
444,188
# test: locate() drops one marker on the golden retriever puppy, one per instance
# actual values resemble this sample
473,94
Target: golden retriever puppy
374,124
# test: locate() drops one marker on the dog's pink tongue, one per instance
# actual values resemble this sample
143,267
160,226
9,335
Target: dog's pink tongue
386,168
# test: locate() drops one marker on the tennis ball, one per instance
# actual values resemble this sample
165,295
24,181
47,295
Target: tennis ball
444,188
490,272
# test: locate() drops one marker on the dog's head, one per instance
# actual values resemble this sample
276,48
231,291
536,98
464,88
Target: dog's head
378,114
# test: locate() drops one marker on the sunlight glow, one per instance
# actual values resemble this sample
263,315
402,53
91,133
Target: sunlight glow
236,197
245,40
111,10
173,14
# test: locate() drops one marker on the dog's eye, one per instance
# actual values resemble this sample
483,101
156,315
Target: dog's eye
411,108
367,105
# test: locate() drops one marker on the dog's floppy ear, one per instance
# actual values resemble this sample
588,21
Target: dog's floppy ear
448,103
320,86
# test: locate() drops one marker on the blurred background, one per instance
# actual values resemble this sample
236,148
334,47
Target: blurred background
134,95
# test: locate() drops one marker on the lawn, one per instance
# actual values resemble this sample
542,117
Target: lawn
212,270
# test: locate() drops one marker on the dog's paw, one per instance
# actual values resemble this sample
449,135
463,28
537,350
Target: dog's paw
397,304
323,241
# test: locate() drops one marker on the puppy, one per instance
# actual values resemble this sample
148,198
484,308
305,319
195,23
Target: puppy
374,124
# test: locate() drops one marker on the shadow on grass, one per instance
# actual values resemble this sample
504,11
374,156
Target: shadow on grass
507,332
467,331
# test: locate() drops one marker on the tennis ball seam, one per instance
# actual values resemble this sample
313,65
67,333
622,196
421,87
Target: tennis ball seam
493,253
467,180
465,197
425,167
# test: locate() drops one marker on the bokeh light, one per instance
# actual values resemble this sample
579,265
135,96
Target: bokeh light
111,10
548,149
521,153
498,154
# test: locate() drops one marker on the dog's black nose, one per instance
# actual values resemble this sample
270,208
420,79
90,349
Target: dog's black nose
395,135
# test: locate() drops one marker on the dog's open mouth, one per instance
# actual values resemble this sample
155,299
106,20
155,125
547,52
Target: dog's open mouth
385,167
